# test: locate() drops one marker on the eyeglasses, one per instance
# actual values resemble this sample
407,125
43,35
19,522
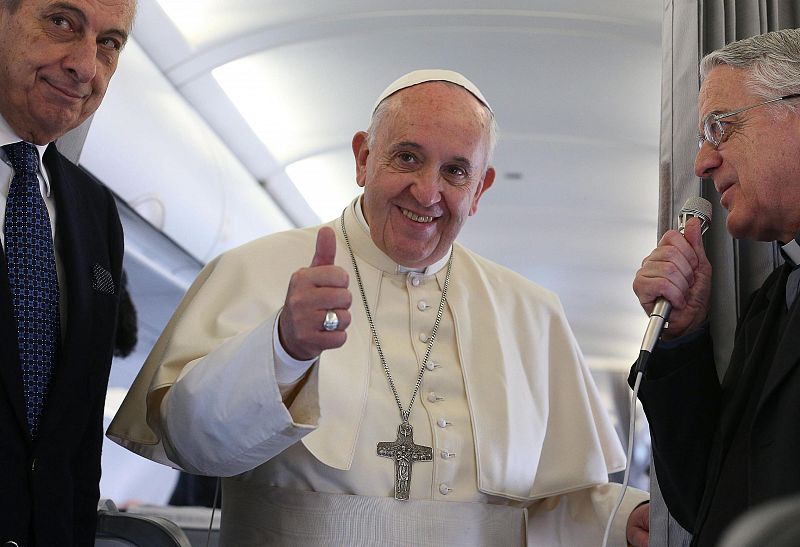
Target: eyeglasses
714,127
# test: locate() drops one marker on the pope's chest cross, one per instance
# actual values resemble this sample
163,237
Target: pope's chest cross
404,453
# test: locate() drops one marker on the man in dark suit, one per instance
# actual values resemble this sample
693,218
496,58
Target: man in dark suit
720,449
60,267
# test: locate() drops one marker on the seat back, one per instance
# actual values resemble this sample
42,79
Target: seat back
775,523
118,529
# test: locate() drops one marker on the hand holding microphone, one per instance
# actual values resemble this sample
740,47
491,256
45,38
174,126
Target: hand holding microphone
674,282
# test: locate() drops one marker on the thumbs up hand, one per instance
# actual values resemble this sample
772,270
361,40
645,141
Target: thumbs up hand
312,292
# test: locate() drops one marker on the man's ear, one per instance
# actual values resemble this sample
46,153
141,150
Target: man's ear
483,185
361,152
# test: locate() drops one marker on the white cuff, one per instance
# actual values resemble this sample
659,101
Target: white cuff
288,370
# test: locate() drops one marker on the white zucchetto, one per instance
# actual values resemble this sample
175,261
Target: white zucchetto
432,75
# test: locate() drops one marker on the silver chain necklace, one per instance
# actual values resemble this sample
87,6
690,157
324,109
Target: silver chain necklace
403,451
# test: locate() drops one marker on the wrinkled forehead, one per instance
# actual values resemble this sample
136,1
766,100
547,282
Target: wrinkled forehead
724,89
434,104
102,15
119,13
439,95
438,118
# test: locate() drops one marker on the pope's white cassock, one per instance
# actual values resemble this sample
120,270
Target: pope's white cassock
521,444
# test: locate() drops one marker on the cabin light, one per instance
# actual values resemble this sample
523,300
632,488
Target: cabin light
280,118
326,182
191,17
269,110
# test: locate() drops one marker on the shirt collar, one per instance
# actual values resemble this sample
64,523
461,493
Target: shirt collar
8,136
355,205
791,251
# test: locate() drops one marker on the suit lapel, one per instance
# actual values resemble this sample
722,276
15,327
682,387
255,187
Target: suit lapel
753,336
787,354
10,371
73,242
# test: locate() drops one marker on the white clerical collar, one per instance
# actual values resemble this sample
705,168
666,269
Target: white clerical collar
791,250
8,136
429,270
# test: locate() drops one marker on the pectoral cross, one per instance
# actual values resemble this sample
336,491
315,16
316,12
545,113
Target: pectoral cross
404,452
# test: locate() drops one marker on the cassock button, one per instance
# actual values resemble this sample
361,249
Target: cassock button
431,365
422,305
441,422
432,397
446,454
415,280
444,489
423,337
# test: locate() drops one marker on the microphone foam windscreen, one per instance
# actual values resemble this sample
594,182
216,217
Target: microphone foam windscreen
696,204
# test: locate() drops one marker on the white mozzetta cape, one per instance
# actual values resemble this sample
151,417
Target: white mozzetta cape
538,422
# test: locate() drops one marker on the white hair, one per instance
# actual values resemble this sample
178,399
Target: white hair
771,60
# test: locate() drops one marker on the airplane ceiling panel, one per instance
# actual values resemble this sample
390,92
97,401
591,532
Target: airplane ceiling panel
201,24
575,85
194,189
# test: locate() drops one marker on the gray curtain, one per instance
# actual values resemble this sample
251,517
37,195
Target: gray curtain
692,28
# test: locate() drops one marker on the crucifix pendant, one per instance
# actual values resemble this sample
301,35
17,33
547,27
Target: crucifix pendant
404,453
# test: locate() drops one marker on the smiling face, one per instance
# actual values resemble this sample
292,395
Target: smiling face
425,172
756,169
56,59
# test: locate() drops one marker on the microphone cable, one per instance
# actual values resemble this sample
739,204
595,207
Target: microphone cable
213,510
626,478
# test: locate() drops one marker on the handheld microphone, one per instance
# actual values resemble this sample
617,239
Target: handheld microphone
695,207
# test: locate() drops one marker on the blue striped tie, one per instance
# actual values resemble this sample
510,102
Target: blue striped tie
32,277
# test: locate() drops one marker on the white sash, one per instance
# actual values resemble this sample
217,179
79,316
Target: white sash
257,515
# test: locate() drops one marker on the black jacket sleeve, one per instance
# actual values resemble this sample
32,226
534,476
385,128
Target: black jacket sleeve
680,394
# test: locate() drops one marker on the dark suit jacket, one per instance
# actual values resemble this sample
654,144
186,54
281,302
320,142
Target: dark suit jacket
693,419
50,487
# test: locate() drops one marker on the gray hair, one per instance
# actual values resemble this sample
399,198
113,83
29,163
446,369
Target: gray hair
11,5
389,106
772,62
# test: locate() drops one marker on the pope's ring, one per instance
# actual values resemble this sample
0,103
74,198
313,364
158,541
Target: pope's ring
331,321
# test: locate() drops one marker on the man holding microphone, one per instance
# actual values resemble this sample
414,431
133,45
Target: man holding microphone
722,447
